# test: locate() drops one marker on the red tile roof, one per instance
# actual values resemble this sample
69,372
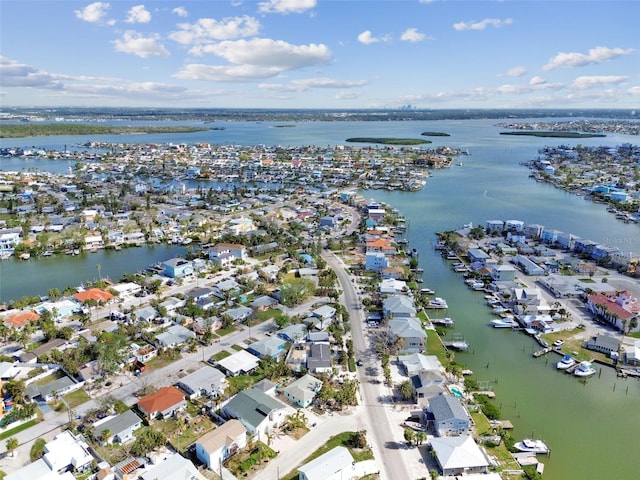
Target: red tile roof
164,398
96,294
19,320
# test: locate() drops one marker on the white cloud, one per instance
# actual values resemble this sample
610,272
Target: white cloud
412,35
94,12
367,38
265,52
536,80
309,83
634,90
482,24
286,6
234,73
207,30
514,72
180,11
141,46
585,82
14,74
575,59
138,14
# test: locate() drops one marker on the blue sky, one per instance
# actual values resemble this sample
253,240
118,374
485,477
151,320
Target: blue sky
320,53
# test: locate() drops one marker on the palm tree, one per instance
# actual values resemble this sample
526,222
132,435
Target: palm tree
12,444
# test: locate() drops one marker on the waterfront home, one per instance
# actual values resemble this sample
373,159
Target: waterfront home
206,381
391,286
503,273
528,266
459,456
427,384
415,363
410,333
376,261
494,227
221,443
93,242
258,412
177,268
603,344
630,351
8,242
478,256
303,391
450,418
165,402
96,295
119,428
398,306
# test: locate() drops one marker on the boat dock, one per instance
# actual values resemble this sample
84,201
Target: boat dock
544,351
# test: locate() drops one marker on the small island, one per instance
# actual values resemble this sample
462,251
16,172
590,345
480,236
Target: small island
388,141
536,133
51,129
435,134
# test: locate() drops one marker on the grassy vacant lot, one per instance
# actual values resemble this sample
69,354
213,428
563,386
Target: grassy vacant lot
220,355
77,398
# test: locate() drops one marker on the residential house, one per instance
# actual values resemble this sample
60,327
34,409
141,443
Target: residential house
207,381
67,453
147,314
35,354
391,286
177,268
293,333
257,411
449,416
268,347
416,362
376,261
398,306
410,334
239,314
263,302
503,273
226,289
47,392
336,464
239,363
319,359
175,335
174,467
426,385
165,402
459,456
119,428
18,319
221,443
97,295
303,391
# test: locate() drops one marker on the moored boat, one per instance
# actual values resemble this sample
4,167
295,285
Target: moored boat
503,323
565,362
437,303
533,446
585,369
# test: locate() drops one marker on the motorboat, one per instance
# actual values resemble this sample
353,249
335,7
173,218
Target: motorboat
427,291
585,369
503,323
437,303
446,321
533,446
565,362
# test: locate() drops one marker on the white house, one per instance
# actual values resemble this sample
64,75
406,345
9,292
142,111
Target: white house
216,446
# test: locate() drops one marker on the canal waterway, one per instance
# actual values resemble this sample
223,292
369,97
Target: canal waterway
591,426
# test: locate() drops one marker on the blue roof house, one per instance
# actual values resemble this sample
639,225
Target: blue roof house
177,268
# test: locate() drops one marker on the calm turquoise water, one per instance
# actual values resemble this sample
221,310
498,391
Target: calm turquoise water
591,426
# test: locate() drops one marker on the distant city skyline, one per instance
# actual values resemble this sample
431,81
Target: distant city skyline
333,54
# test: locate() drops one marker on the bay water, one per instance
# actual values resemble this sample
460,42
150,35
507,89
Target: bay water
591,426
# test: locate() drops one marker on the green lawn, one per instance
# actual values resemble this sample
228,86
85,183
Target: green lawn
267,314
18,429
435,346
241,382
220,355
77,398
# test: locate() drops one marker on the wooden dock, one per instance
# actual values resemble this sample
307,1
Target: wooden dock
544,351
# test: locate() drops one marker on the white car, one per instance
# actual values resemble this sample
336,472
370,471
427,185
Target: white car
558,343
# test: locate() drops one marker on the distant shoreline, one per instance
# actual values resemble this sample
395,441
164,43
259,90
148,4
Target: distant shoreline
536,133
43,130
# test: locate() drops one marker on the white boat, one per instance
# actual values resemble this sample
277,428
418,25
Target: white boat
427,291
499,309
446,321
565,362
503,323
534,446
437,303
585,369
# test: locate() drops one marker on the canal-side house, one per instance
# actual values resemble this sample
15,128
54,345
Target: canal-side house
409,335
460,457
220,444
398,306
449,416
603,344
177,268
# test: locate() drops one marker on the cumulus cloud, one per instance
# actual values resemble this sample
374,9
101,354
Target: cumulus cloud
207,30
412,35
482,24
514,72
233,73
536,80
367,38
94,12
180,11
142,46
575,59
14,74
634,90
286,6
138,14
266,52
586,82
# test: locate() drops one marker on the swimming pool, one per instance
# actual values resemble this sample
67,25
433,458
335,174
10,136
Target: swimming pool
456,391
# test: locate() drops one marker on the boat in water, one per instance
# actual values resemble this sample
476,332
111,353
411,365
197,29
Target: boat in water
533,446
565,362
503,323
437,303
427,291
446,321
585,369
